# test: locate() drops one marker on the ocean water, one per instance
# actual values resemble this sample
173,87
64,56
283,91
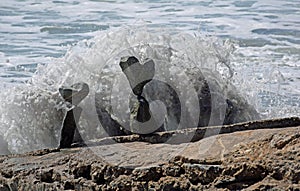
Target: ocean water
253,44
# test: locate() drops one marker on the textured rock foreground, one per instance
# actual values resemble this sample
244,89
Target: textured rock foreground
265,157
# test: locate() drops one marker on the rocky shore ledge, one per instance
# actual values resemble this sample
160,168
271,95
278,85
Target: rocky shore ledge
262,155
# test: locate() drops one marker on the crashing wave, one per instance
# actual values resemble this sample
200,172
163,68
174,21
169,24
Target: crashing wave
32,114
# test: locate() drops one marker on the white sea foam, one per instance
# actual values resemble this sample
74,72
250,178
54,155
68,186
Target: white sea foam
31,114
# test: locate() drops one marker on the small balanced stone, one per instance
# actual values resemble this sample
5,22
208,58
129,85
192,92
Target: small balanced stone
75,93
137,74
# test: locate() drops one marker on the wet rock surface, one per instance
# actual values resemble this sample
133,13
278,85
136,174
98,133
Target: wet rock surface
255,159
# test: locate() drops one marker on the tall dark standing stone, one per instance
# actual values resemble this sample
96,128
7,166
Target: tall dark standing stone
3,147
74,95
138,75
69,127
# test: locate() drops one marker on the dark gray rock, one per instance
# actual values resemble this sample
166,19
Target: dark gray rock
137,74
3,147
73,95
69,126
